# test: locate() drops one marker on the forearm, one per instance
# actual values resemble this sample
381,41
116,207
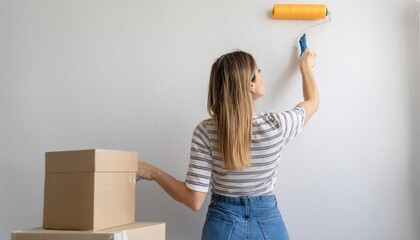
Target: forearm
310,87
175,188
178,190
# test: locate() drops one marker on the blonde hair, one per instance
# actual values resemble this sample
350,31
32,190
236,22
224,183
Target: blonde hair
231,105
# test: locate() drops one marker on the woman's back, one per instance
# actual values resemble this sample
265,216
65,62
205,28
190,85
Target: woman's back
270,133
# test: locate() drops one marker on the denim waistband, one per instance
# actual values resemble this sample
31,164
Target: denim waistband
243,200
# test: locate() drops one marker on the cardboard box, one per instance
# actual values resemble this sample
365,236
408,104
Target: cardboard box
89,189
135,231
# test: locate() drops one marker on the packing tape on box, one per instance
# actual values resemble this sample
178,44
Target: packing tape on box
132,178
120,236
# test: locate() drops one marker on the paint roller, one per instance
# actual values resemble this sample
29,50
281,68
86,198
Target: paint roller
304,12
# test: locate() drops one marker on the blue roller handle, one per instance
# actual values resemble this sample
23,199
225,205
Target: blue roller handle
302,43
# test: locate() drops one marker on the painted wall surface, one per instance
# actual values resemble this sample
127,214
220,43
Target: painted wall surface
133,75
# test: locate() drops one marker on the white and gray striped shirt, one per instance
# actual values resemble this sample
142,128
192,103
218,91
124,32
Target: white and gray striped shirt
271,132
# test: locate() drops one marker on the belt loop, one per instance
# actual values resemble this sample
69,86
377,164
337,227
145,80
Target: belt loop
246,206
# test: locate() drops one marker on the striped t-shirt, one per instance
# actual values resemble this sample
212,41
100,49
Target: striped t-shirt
270,133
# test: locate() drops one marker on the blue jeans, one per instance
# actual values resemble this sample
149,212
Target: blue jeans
241,218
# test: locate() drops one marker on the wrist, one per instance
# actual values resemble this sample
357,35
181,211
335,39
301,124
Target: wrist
305,69
154,173
306,73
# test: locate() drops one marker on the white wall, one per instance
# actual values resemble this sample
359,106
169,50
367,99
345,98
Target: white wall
132,75
414,176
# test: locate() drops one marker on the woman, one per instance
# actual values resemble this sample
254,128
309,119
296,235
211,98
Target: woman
236,152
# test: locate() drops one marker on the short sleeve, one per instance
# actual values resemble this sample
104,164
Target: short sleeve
201,161
291,122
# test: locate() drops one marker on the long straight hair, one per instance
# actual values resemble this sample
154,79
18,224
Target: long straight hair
230,104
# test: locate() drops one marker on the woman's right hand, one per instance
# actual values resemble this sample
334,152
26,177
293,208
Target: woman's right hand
307,61
146,171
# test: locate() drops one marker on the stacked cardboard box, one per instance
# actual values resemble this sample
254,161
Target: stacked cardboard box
87,191
135,231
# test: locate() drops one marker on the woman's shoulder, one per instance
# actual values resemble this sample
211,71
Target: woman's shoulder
276,118
207,124
267,116
275,115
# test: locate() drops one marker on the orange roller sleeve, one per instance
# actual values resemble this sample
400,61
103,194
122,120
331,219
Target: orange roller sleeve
299,11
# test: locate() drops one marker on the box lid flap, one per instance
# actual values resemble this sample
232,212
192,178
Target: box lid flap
91,160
